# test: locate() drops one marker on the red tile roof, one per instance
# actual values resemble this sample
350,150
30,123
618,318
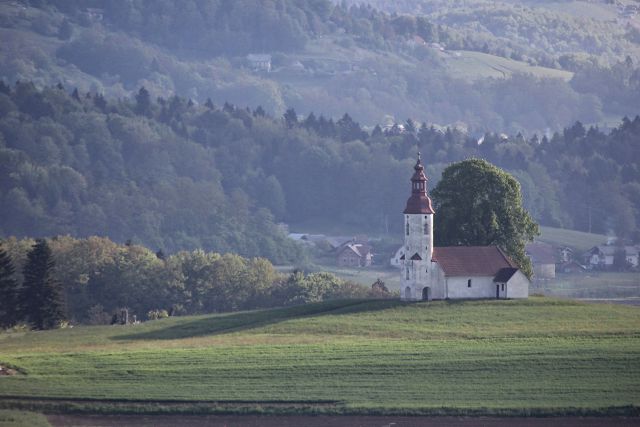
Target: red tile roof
471,260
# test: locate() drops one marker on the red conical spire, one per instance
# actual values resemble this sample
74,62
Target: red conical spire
419,202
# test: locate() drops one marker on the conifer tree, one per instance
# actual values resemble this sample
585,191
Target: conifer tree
41,297
8,292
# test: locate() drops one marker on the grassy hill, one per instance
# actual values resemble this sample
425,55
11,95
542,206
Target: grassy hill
539,356
578,240
477,65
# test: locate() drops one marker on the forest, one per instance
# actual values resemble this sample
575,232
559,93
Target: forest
174,175
330,58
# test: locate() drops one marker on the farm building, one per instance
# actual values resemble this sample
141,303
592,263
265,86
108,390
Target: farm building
543,258
354,255
603,257
259,62
454,272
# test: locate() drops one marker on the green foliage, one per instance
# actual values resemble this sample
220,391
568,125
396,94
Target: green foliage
41,294
101,277
9,313
364,357
157,314
478,204
188,177
331,59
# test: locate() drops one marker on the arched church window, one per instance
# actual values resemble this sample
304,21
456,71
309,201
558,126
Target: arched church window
407,228
426,228
407,273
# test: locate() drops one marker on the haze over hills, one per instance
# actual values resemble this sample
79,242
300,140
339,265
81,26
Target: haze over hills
444,68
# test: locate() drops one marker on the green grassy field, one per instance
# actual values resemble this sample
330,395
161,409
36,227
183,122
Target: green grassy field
538,356
366,276
22,419
578,240
594,284
476,65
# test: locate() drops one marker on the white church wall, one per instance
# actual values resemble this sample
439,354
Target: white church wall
481,287
517,286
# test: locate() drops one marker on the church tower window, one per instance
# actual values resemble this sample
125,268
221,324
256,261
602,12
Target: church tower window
407,273
407,228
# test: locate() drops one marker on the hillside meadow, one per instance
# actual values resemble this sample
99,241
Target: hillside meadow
540,356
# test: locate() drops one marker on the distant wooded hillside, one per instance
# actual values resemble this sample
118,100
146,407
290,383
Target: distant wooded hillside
174,175
534,75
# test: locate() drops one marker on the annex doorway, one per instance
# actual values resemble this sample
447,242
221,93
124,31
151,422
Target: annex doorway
426,294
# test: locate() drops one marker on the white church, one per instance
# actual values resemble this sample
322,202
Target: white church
452,272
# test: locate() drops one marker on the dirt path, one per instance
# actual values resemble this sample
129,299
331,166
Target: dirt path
323,421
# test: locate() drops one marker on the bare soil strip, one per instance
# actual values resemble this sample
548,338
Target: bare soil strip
330,421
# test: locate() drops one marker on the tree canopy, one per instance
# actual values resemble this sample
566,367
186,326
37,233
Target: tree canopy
41,295
181,177
478,204
8,291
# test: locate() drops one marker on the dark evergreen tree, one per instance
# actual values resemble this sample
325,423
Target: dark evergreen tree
100,102
8,292
290,118
41,299
143,102
4,88
259,112
66,30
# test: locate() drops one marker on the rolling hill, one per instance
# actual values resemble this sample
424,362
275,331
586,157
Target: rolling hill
539,356
330,60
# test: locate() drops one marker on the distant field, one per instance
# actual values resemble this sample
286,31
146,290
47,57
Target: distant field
578,240
538,356
594,285
366,276
476,65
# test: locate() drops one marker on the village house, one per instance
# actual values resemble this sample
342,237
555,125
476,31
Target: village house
603,257
259,62
453,272
565,254
354,255
543,259
572,267
396,259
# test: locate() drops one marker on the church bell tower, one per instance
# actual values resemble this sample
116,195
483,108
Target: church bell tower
418,239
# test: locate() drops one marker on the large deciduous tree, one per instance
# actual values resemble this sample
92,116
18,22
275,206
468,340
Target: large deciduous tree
8,292
479,204
41,298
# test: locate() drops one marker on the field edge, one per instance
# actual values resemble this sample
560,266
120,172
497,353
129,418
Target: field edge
123,407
